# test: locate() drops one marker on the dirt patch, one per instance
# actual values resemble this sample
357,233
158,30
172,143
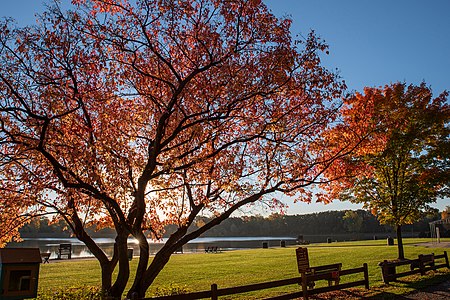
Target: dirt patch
434,245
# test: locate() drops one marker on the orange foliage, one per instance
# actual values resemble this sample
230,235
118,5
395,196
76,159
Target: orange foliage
400,162
137,114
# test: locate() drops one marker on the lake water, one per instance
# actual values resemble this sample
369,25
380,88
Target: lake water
79,250
51,245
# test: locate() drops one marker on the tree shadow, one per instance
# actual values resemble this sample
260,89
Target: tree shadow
433,286
430,285
386,296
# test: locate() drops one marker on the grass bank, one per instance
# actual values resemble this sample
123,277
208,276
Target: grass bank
196,272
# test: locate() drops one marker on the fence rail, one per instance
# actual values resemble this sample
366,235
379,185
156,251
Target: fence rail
215,292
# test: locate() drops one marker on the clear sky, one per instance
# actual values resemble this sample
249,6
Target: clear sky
372,43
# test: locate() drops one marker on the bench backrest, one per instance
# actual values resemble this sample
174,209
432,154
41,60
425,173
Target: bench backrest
328,268
65,247
302,259
426,257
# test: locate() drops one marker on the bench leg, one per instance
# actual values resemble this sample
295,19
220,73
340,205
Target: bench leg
331,281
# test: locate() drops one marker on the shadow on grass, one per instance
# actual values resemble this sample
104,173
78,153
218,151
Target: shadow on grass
396,290
349,244
429,285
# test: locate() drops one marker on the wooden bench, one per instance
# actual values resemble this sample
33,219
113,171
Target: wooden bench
327,272
65,249
45,257
309,274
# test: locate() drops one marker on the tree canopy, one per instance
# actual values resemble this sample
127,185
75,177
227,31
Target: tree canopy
403,163
138,114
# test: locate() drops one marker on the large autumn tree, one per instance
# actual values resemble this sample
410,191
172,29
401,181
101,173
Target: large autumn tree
403,164
139,114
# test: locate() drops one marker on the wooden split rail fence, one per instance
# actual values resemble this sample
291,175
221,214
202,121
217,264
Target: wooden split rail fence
423,264
320,273
215,292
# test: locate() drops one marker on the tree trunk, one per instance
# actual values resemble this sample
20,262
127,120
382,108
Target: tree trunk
107,271
401,253
140,286
147,275
175,241
141,268
107,266
154,269
124,267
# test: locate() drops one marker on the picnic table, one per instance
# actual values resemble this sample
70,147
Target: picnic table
45,257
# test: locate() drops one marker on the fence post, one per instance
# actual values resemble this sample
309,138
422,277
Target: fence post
446,259
366,276
214,295
421,265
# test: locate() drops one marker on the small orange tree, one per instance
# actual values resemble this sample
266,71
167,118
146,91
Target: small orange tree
403,163
139,114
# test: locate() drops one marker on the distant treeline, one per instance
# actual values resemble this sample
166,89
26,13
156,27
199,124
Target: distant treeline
321,223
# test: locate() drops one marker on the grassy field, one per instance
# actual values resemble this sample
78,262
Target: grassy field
196,272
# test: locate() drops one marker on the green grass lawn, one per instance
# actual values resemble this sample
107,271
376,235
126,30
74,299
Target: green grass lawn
197,272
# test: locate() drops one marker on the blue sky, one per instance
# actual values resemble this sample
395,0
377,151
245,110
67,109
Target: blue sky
372,43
